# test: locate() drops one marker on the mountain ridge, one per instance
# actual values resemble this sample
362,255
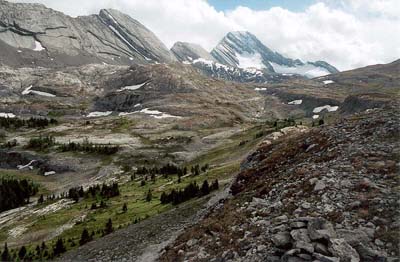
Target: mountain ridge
109,36
243,49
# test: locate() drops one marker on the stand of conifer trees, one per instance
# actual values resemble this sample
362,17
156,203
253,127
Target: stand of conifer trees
15,193
190,191
171,169
89,147
44,142
32,122
105,191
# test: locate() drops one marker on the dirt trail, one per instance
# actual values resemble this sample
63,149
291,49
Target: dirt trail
142,242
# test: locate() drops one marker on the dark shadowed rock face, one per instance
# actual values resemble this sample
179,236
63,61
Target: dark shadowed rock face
32,30
359,103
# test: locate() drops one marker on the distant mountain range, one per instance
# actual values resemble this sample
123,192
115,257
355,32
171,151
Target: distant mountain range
244,50
34,35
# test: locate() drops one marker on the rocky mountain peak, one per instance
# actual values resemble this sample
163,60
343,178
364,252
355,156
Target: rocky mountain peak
245,50
37,35
189,51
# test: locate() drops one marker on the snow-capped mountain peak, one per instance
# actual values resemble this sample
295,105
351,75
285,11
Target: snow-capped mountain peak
243,49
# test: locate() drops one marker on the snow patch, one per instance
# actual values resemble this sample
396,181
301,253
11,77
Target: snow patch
327,107
307,70
29,90
38,46
260,89
126,113
204,61
29,165
19,51
315,116
296,102
253,71
134,87
50,173
247,60
40,93
98,114
327,82
157,114
7,115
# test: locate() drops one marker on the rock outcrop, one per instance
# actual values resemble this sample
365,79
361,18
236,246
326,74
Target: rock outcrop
43,33
329,194
189,52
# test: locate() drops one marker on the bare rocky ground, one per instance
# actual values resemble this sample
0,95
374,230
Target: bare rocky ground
330,194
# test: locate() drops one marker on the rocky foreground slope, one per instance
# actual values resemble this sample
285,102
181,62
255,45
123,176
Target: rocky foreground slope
330,194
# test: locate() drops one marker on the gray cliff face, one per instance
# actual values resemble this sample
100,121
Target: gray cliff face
189,52
246,44
243,49
110,36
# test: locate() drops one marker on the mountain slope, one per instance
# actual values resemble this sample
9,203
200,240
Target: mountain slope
329,194
110,36
243,49
189,52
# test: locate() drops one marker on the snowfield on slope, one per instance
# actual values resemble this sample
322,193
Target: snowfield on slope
134,87
326,107
296,102
308,70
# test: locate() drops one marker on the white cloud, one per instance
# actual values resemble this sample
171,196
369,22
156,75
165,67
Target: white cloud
346,33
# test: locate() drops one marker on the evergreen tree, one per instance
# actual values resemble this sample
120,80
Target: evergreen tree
197,170
5,256
15,192
22,252
124,208
43,246
41,199
59,247
38,251
84,237
149,196
205,188
321,122
214,185
164,198
109,227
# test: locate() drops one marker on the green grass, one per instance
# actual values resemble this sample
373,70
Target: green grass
232,151
224,161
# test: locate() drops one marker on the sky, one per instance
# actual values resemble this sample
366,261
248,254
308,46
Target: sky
346,33
293,5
